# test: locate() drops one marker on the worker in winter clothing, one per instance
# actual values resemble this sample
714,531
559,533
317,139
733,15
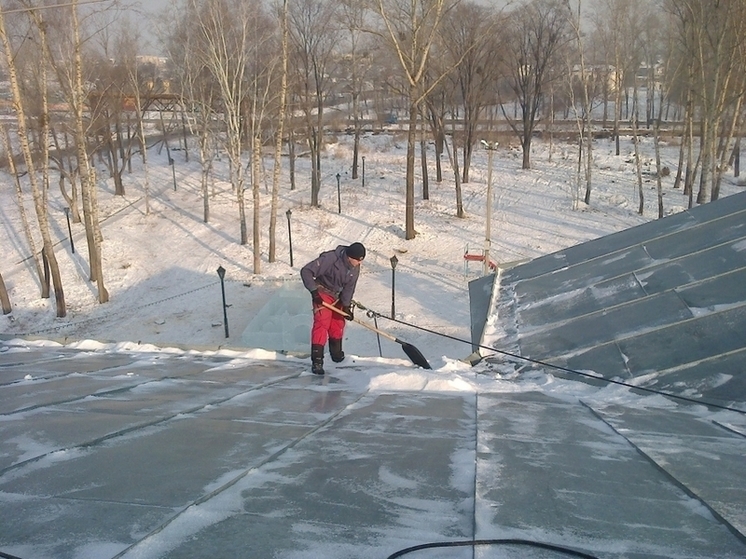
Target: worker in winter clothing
331,278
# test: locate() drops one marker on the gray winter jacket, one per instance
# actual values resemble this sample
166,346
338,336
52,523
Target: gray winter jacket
333,273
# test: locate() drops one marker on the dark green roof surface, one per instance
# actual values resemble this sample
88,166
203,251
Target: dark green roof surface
664,302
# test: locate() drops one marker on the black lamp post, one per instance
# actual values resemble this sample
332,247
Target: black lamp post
339,197
69,229
173,169
394,262
363,171
221,273
290,236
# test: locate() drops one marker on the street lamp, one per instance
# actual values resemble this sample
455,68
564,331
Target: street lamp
488,217
221,273
339,197
173,168
394,262
363,171
69,229
290,236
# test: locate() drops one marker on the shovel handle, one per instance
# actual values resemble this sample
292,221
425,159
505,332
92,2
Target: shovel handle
412,352
361,323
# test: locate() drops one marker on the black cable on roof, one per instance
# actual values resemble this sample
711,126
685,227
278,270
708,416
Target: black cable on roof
472,543
557,367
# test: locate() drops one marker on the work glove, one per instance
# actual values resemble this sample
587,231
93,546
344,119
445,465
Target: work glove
348,312
316,298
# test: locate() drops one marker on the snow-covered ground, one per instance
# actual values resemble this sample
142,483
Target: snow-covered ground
160,269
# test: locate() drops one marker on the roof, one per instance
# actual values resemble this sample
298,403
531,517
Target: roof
663,303
660,306
109,453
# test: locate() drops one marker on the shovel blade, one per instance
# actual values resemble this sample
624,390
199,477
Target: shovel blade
415,355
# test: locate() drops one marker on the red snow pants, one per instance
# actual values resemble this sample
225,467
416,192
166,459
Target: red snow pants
326,323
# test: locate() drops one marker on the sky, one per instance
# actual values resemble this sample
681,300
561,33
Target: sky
146,16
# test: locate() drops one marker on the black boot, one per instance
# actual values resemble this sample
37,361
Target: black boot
317,359
335,350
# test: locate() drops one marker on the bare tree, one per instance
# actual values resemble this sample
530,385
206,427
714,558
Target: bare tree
669,72
711,35
537,33
197,90
65,55
469,39
582,78
8,145
88,178
223,42
617,21
360,58
313,35
261,73
280,130
139,92
37,189
411,29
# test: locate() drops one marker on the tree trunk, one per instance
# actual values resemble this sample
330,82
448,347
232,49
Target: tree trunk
658,170
22,208
256,163
638,163
291,158
144,151
457,180
280,132
409,231
4,299
725,152
423,159
238,185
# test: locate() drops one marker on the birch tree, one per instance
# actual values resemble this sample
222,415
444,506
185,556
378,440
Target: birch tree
65,54
139,92
37,189
260,76
313,34
582,76
8,145
618,21
711,35
411,28
4,298
224,36
197,90
280,130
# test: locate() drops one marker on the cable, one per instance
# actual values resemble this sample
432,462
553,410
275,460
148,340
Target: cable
371,313
529,543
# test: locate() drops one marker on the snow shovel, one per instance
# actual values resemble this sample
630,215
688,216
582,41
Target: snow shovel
412,352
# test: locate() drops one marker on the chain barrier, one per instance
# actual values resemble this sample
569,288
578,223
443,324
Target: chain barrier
114,314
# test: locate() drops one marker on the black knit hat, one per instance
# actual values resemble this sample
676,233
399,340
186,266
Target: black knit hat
356,251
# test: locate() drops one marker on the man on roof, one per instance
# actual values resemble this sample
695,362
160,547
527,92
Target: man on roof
331,278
